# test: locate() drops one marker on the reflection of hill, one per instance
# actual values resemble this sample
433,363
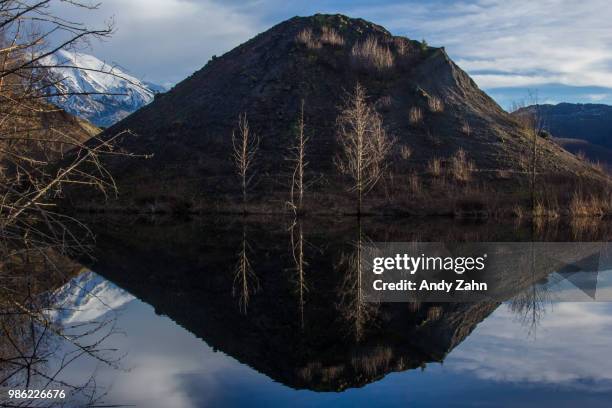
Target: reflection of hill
188,273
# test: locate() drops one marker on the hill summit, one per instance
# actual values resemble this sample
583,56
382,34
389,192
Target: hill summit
448,136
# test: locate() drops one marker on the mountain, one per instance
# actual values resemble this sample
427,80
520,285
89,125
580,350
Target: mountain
429,105
114,96
590,122
580,128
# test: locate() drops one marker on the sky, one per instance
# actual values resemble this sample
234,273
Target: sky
559,49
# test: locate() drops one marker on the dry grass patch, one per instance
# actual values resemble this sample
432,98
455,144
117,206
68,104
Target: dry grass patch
331,37
414,183
461,168
307,38
415,115
591,206
405,152
545,210
371,55
466,129
598,167
377,361
517,212
401,46
435,104
434,167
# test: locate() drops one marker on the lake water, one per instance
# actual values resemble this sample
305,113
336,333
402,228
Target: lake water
170,316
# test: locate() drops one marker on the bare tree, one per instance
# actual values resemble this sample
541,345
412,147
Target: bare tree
298,158
530,119
364,144
245,146
42,149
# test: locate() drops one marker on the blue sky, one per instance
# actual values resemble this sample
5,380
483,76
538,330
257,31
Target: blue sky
560,48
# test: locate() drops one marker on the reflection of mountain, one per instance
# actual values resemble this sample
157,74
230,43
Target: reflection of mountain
86,297
188,273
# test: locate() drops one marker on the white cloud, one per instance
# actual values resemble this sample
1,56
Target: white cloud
166,40
502,43
514,42
597,97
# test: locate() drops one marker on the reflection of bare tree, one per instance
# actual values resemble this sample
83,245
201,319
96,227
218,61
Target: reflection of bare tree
353,305
530,304
36,347
297,250
245,280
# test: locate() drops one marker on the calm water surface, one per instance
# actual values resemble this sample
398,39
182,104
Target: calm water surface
179,323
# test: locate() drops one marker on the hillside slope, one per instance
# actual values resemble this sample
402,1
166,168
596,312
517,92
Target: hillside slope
41,131
189,129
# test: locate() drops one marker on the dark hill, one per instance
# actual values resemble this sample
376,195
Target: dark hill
189,128
590,122
583,129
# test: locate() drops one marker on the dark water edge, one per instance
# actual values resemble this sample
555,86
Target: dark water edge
194,328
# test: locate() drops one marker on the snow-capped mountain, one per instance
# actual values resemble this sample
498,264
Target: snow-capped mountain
122,93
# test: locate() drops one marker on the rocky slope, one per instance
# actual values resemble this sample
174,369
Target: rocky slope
188,129
114,96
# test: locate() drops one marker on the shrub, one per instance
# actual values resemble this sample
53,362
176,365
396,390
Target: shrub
466,129
581,206
415,115
435,104
414,183
370,55
542,211
461,168
308,39
384,103
544,134
517,211
331,37
424,46
434,167
598,167
405,152
401,45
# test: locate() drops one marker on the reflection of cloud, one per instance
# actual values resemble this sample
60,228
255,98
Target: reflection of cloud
161,358
571,347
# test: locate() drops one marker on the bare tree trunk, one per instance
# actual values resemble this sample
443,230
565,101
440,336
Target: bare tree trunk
298,157
29,142
245,147
533,170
